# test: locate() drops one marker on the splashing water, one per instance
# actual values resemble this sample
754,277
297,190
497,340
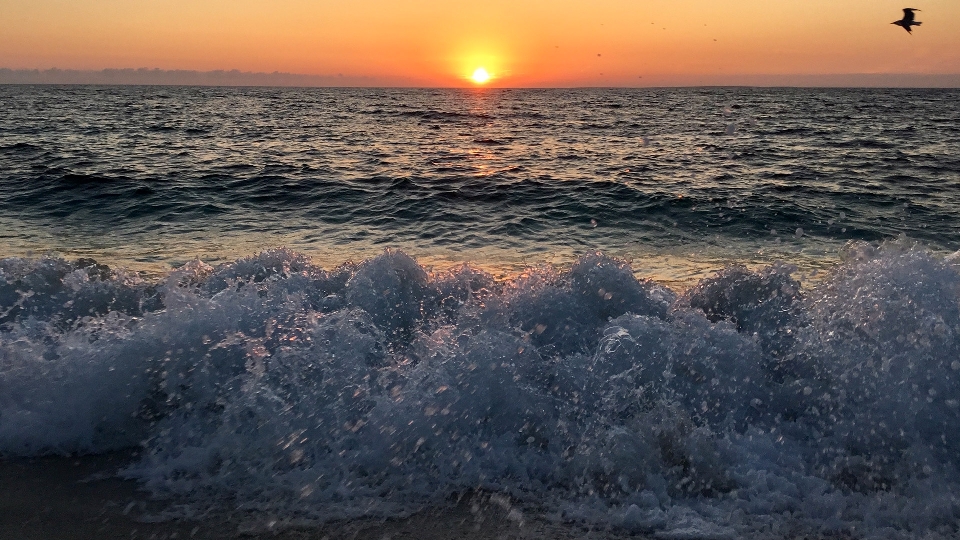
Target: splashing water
745,405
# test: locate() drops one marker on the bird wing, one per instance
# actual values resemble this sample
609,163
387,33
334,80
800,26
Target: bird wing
908,14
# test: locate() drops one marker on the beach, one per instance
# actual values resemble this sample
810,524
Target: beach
81,498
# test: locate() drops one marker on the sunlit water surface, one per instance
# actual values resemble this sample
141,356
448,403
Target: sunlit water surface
808,389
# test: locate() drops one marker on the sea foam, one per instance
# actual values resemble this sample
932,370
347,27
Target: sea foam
748,404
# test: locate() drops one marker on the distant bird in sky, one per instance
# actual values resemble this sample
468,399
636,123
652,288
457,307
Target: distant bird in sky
907,21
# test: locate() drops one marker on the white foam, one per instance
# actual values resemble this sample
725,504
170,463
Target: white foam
746,406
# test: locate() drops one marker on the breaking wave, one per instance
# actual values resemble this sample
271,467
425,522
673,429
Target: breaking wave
748,404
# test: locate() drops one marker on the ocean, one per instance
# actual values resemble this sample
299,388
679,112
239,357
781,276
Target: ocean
688,313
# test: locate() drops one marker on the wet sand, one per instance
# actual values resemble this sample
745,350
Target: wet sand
69,498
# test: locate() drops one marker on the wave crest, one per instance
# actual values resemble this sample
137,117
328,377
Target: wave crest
380,387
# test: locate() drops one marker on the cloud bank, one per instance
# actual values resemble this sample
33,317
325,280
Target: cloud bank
180,77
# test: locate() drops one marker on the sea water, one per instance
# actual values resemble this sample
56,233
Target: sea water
693,313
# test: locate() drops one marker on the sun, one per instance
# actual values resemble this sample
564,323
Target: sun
480,75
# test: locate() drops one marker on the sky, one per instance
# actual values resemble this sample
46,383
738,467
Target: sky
520,43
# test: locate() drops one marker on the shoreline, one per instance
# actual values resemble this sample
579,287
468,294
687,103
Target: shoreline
81,497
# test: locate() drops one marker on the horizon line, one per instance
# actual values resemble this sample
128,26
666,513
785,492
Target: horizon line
277,79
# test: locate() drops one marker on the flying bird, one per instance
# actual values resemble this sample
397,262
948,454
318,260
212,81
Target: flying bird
907,21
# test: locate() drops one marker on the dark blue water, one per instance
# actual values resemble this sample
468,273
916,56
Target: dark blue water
155,176
334,379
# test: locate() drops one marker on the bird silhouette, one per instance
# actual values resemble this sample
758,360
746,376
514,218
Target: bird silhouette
907,21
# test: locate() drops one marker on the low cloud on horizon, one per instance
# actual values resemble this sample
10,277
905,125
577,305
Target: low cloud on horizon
183,77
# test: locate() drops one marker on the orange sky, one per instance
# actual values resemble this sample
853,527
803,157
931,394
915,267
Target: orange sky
521,43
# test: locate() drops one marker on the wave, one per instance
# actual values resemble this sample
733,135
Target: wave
434,115
747,405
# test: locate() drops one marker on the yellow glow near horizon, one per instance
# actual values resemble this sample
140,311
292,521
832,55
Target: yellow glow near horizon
480,75
425,43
